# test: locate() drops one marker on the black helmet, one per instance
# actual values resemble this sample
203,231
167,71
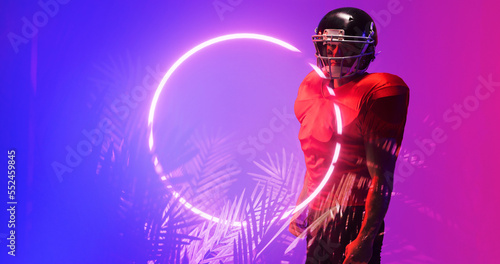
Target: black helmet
347,26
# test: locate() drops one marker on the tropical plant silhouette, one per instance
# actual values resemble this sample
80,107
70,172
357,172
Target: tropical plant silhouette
156,221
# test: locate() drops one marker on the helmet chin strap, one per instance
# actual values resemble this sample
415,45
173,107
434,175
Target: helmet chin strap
354,67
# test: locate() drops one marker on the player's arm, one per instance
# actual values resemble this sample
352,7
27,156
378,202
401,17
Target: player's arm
296,226
385,121
381,154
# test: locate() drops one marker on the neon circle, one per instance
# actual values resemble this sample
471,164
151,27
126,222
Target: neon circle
158,167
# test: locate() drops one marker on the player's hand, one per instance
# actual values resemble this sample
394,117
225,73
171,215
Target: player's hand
298,222
294,228
358,252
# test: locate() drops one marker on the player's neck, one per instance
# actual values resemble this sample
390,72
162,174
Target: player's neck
339,82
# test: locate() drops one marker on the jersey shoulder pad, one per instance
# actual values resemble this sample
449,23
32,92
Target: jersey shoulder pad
384,84
310,88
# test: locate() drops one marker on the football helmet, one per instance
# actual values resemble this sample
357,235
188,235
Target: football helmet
345,42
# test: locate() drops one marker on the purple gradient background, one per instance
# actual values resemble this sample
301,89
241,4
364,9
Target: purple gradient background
445,208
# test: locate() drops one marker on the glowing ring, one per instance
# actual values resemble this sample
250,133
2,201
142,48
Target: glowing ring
169,73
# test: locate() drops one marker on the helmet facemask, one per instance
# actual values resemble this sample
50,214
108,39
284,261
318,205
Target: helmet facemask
353,53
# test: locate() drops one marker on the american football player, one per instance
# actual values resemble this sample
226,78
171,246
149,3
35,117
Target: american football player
351,129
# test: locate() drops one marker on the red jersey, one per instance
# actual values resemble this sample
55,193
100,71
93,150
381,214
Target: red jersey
315,108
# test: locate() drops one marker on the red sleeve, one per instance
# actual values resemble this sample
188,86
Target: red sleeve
384,117
316,117
386,84
309,92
